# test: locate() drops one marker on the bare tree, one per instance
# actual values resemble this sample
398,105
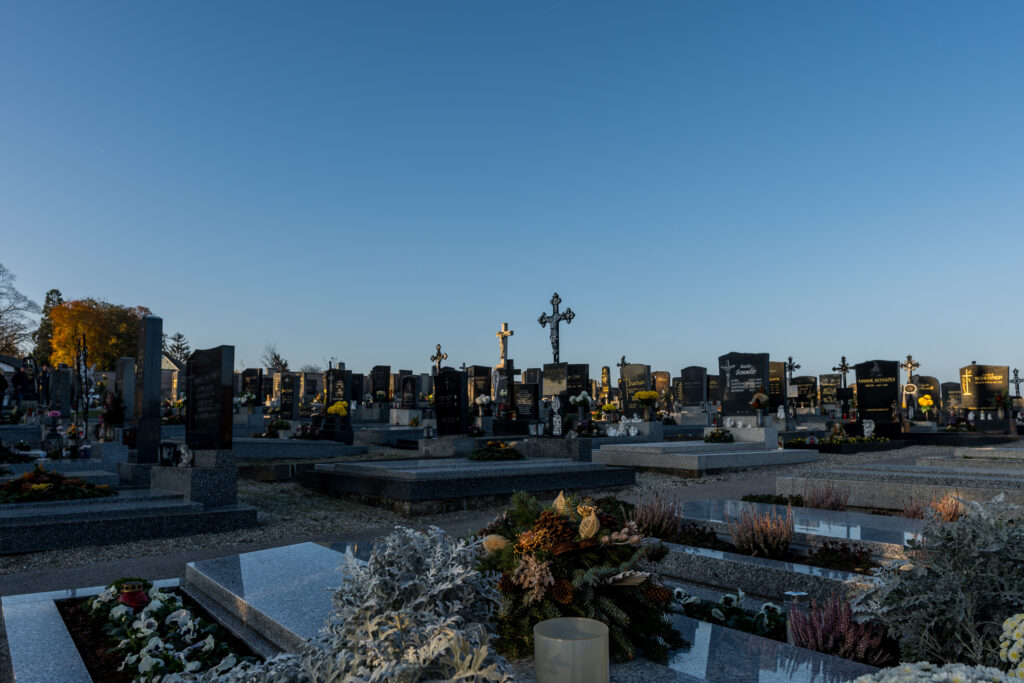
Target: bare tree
272,360
309,368
15,309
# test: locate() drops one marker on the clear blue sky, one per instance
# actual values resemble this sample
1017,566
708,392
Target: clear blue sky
365,180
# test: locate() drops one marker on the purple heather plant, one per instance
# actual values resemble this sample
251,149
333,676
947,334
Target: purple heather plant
830,628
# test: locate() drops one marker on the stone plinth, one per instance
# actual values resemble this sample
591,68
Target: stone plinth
768,436
213,482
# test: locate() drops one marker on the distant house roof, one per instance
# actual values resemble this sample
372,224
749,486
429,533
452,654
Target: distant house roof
172,363
9,363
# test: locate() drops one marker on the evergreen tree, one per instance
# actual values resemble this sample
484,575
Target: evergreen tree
43,337
178,347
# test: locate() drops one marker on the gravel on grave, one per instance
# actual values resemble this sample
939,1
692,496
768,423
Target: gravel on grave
289,513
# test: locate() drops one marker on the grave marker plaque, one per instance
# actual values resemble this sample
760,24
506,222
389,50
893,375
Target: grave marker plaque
289,396
695,385
878,390
951,395
208,374
450,402
527,400
556,379
806,390
830,385
979,385
740,376
776,385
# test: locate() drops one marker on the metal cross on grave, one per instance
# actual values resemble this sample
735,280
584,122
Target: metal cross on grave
553,320
1016,381
437,358
791,367
503,334
844,368
910,365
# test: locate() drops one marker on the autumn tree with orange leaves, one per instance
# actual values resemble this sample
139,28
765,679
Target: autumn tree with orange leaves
111,331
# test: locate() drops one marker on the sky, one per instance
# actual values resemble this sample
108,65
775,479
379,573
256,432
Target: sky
360,181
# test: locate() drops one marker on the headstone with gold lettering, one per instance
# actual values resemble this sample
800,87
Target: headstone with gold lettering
878,390
980,384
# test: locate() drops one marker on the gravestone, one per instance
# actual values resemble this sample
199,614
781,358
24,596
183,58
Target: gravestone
124,384
740,376
604,392
578,379
926,386
479,382
878,390
357,384
661,381
61,381
830,385
408,390
678,390
337,384
380,379
951,396
533,376
208,374
527,401
267,388
714,391
450,404
695,385
252,381
806,390
289,403
556,379
776,385
979,385
633,377
148,376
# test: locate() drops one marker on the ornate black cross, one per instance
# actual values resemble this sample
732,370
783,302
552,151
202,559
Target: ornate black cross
1016,381
553,320
437,358
844,368
791,367
910,365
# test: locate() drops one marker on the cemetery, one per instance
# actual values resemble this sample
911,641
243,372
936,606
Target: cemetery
691,577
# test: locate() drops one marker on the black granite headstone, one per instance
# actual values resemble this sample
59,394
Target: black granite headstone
951,396
267,391
979,385
208,375
527,400
556,379
61,380
740,376
450,402
357,385
926,386
380,380
714,390
289,396
878,389
678,390
533,376
633,377
148,376
776,385
338,386
661,381
577,379
479,381
829,386
252,380
408,391
695,385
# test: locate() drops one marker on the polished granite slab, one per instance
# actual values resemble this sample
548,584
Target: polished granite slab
695,458
41,649
839,524
282,593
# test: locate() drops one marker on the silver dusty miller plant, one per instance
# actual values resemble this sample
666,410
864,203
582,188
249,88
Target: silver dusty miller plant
949,604
416,611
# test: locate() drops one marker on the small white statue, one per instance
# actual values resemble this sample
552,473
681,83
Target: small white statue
730,423
781,413
869,428
970,416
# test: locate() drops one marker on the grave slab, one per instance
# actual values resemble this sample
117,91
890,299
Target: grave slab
696,458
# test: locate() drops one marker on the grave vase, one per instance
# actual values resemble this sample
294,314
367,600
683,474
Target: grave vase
760,418
581,414
1001,414
647,413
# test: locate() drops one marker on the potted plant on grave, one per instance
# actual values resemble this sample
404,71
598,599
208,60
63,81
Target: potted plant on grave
582,403
926,404
338,422
610,412
646,399
759,403
482,401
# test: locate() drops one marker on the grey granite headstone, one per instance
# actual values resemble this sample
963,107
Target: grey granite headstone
124,384
61,381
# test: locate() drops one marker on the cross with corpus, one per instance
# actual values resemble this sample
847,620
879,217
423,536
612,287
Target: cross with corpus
844,368
791,367
437,358
1016,381
503,334
554,319
910,365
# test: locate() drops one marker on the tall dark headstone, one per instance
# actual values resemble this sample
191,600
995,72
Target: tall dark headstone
148,377
479,381
124,384
208,421
661,381
527,400
336,381
450,404
61,381
806,390
740,376
714,389
951,396
267,388
252,382
926,386
878,390
408,390
633,377
695,385
979,385
577,379
776,385
289,396
829,386
380,380
358,383
678,390
556,379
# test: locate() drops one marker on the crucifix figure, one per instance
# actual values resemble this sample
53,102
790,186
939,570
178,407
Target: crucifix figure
844,368
437,358
503,334
910,365
791,367
553,320
1016,382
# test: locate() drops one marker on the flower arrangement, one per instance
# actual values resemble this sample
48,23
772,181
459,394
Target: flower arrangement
609,408
768,622
160,636
718,435
496,450
926,404
246,399
1011,645
581,401
578,557
42,485
73,432
760,400
1002,401
53,414
482,400
921,672
645,398
338,409
381,395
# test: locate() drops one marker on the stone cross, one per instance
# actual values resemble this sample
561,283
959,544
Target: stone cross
1016,381
844,368
437,358
910,365
503,334
791,367
553,320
